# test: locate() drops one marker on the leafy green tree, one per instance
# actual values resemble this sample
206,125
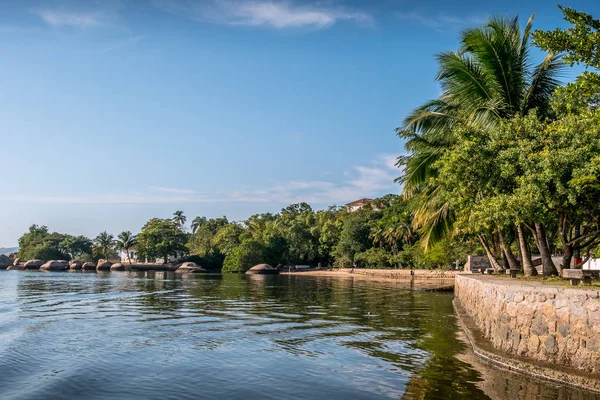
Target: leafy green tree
490,80
125,242
375,257
76,246
161,238
227,238
39,243
202,241
248,254
354,237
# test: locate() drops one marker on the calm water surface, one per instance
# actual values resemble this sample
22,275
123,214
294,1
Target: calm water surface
154,336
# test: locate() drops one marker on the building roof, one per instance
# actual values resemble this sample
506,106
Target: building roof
360,202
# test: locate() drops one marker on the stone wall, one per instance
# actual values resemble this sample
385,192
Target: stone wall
554,324
401,273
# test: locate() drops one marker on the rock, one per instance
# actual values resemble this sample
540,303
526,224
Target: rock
262,269
34,264
190,268
16,261
19,267
103,265
75,264
5,262
117,267
88,266
53,266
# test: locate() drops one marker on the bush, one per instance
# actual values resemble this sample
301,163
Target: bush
244,257
374,258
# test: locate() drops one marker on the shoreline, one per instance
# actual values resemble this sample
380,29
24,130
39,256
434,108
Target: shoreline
548,372
394,274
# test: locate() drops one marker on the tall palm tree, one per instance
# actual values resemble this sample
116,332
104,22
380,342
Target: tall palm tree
125,241
488,80
179,219
104,244
197,223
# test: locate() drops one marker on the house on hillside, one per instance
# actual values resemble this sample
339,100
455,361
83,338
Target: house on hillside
358,204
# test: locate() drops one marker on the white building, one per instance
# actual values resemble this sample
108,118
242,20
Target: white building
358,204
132,256
592,263
135,260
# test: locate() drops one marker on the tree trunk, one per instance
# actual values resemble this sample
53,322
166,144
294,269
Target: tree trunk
528,268
548,267
493,262
513,263
563,234
128,257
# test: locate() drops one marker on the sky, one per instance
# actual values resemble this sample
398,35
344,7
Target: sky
113,112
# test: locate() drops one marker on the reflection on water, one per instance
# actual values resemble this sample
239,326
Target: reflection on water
157,335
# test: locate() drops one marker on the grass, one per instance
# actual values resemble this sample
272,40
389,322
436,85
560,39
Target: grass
551,281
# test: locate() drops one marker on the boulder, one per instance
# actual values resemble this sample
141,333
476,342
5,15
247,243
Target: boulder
19,267
53,266
64,262
75,264
103,265
5,262
34,264
16,261
263,269
190,268
117,267
88,266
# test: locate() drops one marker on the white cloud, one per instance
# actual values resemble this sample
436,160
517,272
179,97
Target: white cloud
361,181
172,190
269,13
62,18
441,22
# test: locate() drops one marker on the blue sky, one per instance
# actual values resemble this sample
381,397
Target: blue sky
113,112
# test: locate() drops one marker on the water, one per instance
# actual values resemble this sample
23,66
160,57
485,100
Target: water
153,336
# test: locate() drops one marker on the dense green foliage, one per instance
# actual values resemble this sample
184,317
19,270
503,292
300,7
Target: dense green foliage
506,155
38,243
161,238
373,237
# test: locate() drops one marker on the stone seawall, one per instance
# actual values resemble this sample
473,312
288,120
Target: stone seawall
401,273
552,325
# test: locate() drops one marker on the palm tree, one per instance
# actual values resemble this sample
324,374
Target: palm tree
125,241
197,223
104,244
490,79
179,219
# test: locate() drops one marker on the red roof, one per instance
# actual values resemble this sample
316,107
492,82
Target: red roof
360,202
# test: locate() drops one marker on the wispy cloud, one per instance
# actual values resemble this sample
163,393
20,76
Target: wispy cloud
74,19
360,181
268,13
172,190
441,22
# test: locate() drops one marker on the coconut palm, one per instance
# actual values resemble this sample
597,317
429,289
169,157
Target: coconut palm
197,223
125,241
179,219
488,80
104,244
